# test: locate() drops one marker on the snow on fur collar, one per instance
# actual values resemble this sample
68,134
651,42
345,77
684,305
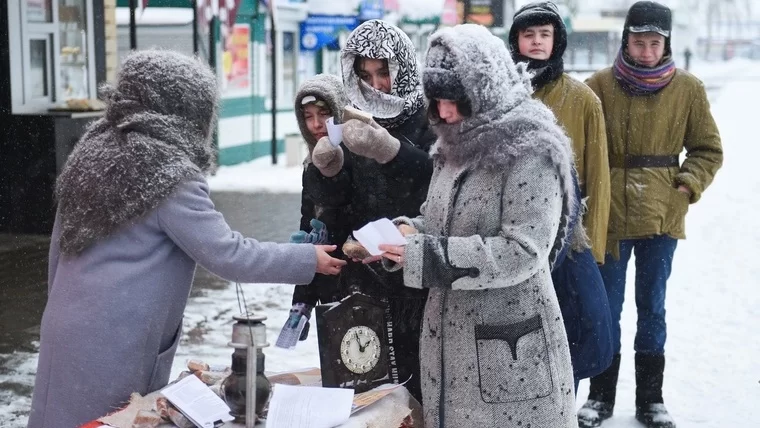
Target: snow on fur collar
506,123
155,135
327,88
380,40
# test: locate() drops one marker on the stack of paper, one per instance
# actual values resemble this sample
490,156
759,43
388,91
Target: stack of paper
198,402
308,407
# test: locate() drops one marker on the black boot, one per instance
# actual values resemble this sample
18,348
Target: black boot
601,397
650,409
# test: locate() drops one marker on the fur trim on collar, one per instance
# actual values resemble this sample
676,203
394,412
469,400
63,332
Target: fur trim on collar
324,87
506,123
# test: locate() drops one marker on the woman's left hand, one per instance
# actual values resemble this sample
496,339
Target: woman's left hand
394,253
370,141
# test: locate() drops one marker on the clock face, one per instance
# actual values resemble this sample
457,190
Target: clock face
360,349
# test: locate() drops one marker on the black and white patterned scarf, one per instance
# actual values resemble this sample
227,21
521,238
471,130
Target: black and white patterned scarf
380,40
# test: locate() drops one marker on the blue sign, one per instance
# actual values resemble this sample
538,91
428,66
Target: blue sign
371,9
319,31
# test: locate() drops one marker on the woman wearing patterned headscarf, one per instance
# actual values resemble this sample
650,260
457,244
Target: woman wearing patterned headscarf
384,170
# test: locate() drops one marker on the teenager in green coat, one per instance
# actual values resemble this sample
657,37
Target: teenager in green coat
653,111
539,38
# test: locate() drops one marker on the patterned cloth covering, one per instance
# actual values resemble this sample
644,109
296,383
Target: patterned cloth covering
380,40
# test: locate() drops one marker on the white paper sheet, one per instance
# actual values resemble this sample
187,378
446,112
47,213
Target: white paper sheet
197,401
377,233
308,407
334,132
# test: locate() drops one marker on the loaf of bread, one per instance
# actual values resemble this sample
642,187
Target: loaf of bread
146,419
352,248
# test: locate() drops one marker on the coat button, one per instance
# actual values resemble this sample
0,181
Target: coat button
473,272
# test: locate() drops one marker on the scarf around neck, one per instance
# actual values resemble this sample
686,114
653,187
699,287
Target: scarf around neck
124,166
543,71
639,80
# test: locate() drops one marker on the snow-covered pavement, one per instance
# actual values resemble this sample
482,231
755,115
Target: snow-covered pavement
712,373
713,350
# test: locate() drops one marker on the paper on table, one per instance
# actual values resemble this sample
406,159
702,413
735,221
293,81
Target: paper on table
379,232
197,401
308,407
334,132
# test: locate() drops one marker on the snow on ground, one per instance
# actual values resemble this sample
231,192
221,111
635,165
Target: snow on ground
713,369
258,175
712,375
208,328
713,350
713,364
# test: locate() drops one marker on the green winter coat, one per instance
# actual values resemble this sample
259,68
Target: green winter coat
645,201
579,111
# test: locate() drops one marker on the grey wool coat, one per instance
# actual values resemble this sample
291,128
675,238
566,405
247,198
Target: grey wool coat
493,349
134,219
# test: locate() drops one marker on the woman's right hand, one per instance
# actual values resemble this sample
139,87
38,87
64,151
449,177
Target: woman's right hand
327,264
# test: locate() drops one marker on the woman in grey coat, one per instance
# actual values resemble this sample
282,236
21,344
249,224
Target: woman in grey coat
134,217
493,347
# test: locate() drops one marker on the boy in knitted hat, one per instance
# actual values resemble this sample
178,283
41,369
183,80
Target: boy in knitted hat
538,37
653,111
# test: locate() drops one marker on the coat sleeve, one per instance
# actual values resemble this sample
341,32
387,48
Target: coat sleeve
593,83
528,229
596,180
704,152
55,252
413,164
189,218
329,191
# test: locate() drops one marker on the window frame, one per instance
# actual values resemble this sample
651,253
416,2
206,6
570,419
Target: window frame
20,34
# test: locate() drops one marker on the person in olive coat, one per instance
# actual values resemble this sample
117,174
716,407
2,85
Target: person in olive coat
653,111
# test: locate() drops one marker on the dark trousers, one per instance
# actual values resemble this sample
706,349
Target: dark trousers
654,258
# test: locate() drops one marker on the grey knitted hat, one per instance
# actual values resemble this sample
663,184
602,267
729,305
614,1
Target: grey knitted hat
167,83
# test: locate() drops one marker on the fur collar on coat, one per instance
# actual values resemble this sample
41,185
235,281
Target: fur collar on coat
506,123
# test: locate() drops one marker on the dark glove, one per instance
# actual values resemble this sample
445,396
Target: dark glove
317,236
296,312
287,338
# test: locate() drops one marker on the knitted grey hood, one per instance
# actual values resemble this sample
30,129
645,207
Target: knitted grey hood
380,40
156,133
327,88
506,123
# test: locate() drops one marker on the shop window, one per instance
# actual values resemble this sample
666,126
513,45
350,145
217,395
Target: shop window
289,66
268,67
38,83
50,45
74,73
39,11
